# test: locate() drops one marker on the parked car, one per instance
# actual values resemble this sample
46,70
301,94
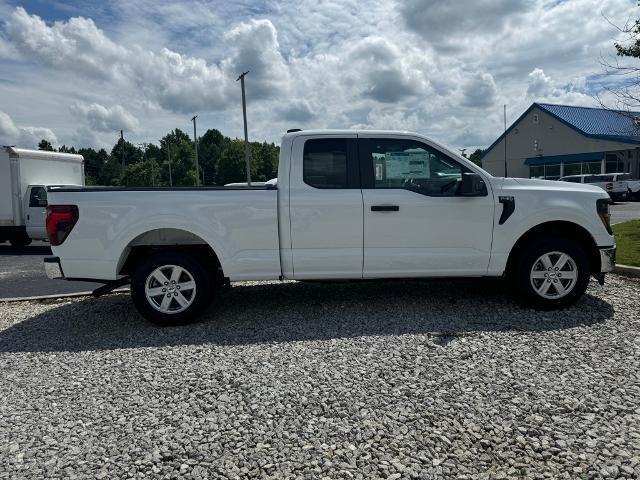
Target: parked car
617,189
24,178
633,184
347,205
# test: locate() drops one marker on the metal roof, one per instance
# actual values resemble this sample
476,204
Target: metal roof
600,123
596,121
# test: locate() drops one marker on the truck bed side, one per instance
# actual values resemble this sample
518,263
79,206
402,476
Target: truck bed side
240,225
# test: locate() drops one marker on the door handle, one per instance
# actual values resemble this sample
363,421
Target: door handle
385,208
28,217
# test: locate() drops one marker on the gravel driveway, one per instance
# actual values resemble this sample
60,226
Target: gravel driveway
353,380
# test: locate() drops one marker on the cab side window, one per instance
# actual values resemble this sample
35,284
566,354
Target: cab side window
411,165
330,163
38,197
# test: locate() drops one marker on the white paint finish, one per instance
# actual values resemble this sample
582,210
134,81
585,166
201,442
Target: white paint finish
326,225
428,236
35,217
306,233
240,226
542,201
21,168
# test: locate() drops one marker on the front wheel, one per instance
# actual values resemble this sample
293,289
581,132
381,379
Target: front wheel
552,273
171,288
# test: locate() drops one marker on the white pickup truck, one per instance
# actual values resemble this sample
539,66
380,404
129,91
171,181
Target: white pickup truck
347,205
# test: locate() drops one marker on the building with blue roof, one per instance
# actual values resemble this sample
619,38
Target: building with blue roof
551,141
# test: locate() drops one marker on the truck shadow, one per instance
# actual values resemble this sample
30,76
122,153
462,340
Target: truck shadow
8,250
259,313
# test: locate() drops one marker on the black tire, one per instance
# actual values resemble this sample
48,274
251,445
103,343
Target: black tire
21,241
524,270
198,299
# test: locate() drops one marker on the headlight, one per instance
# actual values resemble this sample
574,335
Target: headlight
602,207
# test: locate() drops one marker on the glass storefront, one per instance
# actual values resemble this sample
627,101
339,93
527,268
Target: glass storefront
572,168
613,163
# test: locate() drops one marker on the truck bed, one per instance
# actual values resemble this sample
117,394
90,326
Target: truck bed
239,223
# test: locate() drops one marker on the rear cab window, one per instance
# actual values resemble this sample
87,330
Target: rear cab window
330,163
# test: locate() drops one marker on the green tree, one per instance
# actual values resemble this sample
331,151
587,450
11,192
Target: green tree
183,172
45,145
132,154
231,167
476,157
265,157
210,147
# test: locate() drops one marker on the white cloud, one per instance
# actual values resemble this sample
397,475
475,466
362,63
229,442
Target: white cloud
479,91
451,25
106,119
431,66
23,136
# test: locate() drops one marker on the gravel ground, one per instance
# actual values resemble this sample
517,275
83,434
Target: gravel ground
353,380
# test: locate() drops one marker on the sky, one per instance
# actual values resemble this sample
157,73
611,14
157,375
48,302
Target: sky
76,73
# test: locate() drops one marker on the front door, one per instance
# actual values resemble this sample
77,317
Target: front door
325,208
36,213
415,223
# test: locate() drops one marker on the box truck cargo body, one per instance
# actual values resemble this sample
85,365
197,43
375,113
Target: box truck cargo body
24,178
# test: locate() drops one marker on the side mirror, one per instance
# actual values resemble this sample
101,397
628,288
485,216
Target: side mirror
472,185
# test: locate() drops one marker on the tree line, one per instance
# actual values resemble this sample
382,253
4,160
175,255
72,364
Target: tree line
172,162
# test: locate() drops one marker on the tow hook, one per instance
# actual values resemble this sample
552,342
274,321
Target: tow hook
600,278
110,287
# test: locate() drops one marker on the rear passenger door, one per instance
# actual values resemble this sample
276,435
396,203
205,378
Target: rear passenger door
326,207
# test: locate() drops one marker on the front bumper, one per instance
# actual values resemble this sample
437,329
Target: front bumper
53,268
607,259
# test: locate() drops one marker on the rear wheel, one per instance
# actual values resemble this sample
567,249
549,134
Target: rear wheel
171,288
552,273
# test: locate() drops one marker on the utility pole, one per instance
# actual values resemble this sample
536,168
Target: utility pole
195,141
122,148
246,135
505,140
169,157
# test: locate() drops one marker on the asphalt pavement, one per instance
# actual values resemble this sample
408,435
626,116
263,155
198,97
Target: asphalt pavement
624,211
22,271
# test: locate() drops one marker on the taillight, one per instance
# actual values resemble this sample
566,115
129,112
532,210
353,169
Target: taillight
60,221
609,186
602,206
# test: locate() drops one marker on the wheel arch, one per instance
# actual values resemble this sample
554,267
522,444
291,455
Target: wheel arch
557,229
174,239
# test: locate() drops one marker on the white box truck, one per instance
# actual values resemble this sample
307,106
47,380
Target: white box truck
24,178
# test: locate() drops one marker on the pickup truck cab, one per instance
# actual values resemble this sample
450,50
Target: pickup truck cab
346,205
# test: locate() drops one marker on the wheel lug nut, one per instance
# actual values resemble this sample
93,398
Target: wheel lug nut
178,287
168,295
555,281
175,294
164,289
166,283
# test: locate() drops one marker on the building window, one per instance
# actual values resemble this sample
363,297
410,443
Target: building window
613,164
536,118
552,172
592,167
536,171
572,168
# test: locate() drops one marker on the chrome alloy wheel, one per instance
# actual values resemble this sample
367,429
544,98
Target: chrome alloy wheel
554,275
170,289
